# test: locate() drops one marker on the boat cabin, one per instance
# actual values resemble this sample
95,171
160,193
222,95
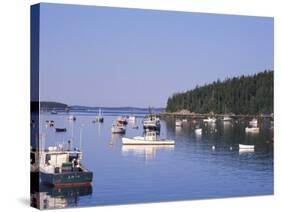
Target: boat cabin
55,160
151,136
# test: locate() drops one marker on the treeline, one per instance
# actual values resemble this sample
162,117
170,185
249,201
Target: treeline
238,95
44,105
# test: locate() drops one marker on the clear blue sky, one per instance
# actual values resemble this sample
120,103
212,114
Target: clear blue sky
98,56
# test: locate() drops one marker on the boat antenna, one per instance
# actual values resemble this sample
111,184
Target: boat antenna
81,131
68,144
72,134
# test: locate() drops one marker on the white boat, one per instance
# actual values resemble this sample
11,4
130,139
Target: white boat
227,119
150,138
118,128
72,118
178,123
122,120
210,120
151,122
252,130
54,112
198,131
132,119
253,122
99,117
243,146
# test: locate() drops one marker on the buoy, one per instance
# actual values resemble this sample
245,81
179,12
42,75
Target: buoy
213,147
230,148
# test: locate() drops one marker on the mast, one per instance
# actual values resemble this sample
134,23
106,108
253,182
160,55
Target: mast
81,131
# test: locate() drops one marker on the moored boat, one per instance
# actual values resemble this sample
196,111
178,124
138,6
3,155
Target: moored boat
227,119
72,118
121,120
198,131
132,119
54,112
151,122
210,120
253,122
244,146
150,138
118,128
252,129
62,168
60,129
50,123
178,123
99,117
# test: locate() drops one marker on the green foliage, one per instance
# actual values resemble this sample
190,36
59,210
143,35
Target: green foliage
238,95
52,105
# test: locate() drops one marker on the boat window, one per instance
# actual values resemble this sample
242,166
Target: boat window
48,157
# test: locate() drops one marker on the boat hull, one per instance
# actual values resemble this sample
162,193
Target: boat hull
99,119
151,127
118,130
252,130
130,141
242,146
66,179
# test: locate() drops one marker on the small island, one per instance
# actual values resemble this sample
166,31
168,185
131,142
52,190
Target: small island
243,96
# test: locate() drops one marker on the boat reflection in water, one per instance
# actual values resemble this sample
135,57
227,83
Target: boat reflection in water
147,151
52,197
245,151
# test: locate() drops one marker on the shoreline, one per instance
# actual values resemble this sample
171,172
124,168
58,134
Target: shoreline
206,115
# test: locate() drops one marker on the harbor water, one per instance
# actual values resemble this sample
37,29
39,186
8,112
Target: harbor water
196,167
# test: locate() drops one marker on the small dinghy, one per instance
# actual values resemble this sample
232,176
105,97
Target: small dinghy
248,147
253,122
150,138
118,129
252,130
227,119
60,129
210,120
132,119
99,117
198,131
178,123
72,118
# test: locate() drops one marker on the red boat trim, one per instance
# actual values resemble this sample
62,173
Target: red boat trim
60,185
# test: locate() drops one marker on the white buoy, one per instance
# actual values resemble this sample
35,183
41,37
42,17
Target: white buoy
213,147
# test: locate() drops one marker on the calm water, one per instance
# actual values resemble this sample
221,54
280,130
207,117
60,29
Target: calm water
191,169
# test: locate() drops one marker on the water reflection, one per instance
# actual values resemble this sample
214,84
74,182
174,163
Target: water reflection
51,198
115,138
246,151
147,151
191,152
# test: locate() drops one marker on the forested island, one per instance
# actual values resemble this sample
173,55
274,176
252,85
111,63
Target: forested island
247,95
47,105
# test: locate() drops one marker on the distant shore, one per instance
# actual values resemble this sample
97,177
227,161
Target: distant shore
196,115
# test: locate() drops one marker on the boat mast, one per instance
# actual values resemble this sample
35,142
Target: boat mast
72,134
81,131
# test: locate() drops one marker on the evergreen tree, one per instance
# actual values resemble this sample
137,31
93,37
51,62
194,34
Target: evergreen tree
239,95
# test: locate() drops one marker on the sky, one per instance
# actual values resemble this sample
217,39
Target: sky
111,57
